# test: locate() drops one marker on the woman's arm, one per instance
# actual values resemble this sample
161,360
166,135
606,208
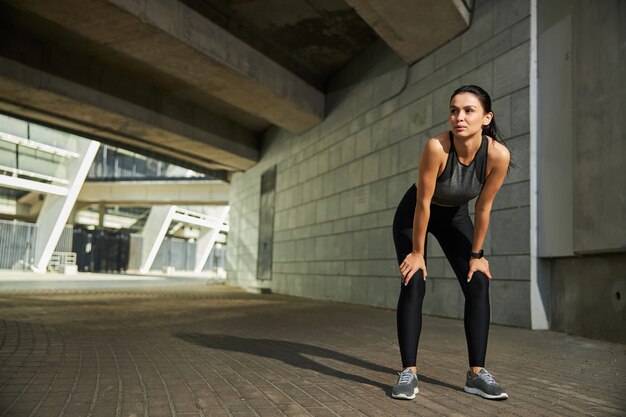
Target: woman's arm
493,182
430,161
428,170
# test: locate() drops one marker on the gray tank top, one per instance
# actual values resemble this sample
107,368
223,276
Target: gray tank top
460,183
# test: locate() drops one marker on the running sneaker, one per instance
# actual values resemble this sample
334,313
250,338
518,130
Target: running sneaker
406,388
484,385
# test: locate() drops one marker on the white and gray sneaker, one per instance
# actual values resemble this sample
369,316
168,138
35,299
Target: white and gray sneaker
484,385
406,388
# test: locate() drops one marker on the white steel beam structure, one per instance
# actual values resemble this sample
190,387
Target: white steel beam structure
61,190
28,180
28,143
14,182
207,240
159,221
56,208
153,234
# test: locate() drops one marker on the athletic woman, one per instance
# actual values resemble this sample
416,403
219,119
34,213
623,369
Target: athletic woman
456,166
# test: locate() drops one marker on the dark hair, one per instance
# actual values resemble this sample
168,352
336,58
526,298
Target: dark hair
491,129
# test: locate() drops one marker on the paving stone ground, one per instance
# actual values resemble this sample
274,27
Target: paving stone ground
213,350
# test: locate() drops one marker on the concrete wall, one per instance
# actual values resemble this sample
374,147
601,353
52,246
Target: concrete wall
599,95
588,296
584,186
555,142
338,184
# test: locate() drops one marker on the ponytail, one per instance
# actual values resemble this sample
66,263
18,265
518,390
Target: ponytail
492,130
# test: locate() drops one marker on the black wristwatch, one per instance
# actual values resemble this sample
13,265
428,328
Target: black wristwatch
477,255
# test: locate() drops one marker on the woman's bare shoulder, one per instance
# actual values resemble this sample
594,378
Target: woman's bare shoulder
498,152
438,144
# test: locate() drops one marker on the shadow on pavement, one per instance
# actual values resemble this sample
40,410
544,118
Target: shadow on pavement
296,354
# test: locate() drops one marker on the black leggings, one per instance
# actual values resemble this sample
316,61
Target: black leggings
454,231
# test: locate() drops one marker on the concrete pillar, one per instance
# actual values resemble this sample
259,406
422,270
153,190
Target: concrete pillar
539,271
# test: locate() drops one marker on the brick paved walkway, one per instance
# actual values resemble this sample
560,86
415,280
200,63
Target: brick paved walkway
204,350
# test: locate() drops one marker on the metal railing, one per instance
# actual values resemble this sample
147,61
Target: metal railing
134,257
17,244
38,146
176,252
28,159
18,241
179,253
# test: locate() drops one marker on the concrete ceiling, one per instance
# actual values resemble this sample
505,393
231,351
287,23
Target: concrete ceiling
196,82
311,38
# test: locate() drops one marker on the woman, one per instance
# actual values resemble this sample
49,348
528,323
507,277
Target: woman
455,167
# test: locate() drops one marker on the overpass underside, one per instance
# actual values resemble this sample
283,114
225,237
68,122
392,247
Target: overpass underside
196,82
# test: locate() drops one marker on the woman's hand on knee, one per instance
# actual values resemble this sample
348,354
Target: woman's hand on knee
481,265
412,263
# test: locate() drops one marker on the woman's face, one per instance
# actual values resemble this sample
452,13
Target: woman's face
467,116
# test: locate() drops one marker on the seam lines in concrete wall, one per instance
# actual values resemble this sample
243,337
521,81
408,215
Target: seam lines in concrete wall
400,173
376,121
369,126
381,178
321,224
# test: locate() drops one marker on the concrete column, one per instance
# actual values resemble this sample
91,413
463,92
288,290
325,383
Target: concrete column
539,272
56,209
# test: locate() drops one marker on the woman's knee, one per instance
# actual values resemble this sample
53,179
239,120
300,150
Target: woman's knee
478,285
416,287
